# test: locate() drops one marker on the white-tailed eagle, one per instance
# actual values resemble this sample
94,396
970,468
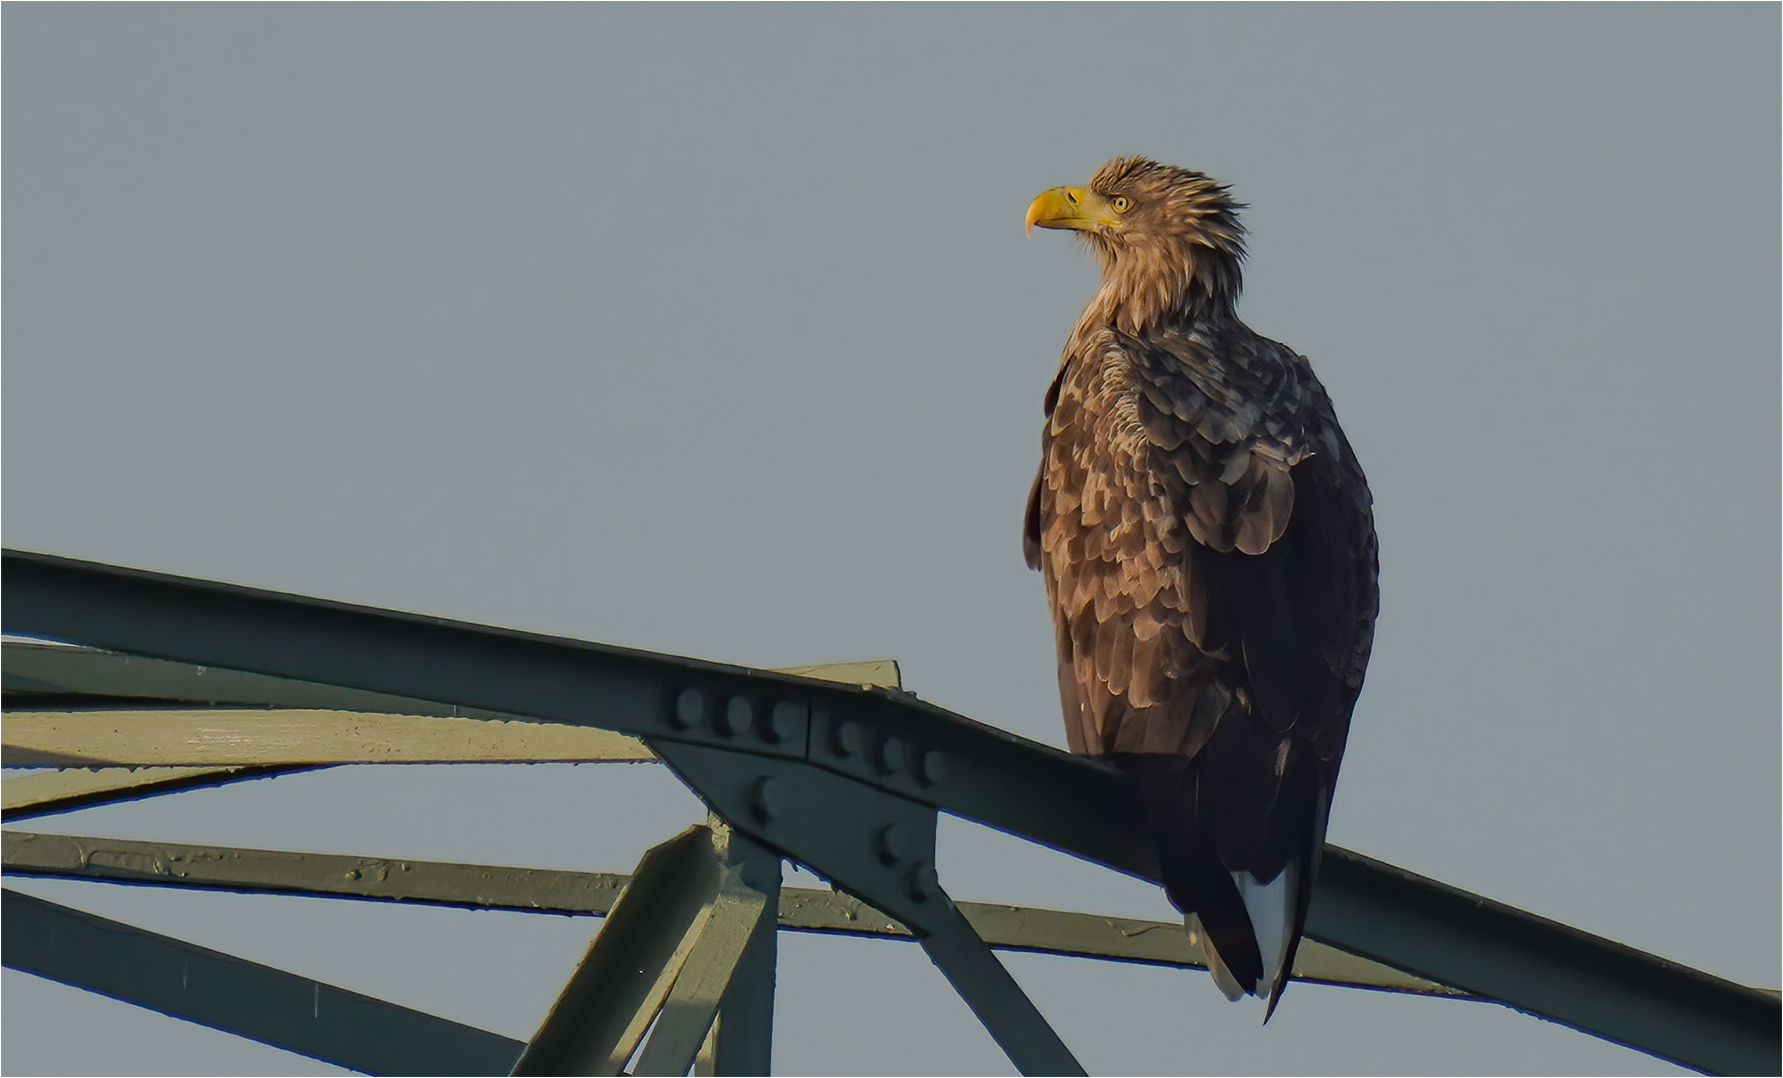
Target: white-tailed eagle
1209,552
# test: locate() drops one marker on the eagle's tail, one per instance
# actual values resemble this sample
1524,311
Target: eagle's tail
1215,964
1248,927
1270,907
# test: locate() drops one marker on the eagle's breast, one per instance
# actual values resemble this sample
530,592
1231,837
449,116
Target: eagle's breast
1156,451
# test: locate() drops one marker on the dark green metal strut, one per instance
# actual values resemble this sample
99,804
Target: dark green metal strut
751,743
241,997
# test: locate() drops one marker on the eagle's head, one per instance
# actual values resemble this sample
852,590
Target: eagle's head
1168,238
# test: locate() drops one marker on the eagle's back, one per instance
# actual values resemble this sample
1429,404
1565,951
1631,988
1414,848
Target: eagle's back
1208,547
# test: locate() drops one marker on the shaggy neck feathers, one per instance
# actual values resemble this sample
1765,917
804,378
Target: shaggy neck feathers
1177,255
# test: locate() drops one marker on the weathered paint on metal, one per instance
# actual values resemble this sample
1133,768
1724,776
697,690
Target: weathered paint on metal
340,875
229,737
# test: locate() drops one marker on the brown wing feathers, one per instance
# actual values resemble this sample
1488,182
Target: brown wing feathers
1208,550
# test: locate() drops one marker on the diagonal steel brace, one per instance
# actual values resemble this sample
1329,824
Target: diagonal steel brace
671,944
714,984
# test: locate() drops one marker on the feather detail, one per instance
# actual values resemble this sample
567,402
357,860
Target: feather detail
1207,544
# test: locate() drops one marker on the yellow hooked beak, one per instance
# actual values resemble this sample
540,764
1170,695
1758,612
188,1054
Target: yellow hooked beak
1070,207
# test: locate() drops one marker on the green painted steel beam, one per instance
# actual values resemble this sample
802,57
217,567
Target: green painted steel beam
37,669
73,706
881,737
1547,968
890,742
236,996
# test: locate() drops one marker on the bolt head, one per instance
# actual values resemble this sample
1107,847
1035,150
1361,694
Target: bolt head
739,716
921,884
690,708
889,844
933,768
848,738
891,755
783,721
765,800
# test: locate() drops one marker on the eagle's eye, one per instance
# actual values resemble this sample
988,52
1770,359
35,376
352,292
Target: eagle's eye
1121,203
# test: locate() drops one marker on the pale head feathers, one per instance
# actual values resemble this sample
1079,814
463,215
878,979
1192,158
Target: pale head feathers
1174,256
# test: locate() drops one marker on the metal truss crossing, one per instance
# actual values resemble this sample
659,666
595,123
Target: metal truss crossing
845,778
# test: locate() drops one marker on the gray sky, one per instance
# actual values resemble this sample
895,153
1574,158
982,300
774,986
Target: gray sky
713,331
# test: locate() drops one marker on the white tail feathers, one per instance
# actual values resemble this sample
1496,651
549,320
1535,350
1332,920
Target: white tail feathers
1271,906
1271,909
1215,964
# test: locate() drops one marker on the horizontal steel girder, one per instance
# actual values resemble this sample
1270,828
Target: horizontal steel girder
896,744
245,998
289,737
527,890
881,737
52,719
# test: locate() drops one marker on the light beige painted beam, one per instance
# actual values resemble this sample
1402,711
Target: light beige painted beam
235,737
1083,935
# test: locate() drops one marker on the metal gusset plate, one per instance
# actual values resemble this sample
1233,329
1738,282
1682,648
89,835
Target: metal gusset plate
881,848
